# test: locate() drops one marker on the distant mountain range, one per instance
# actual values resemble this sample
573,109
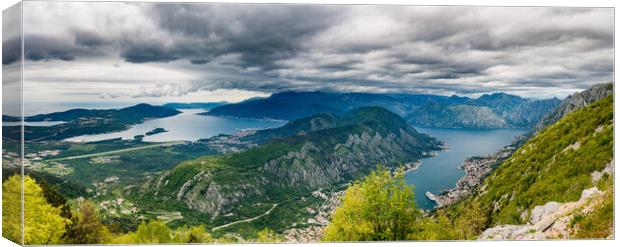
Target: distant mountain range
497,110
204,106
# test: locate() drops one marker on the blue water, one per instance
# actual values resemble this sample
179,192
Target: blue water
441,172
186,126
40,123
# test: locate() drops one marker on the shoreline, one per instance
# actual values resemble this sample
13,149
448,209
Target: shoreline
476,168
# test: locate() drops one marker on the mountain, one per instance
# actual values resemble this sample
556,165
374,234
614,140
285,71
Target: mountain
575,102
295,127
499,102
286,105
84,122
558,184
497,110
529,113
561,165
291,162
132,113
487,112
436,115
6,118
294,105
205,106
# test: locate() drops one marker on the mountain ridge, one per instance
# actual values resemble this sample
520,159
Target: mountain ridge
496,110
295,161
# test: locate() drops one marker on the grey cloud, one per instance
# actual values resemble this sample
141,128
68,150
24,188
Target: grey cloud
11,50
271,48
90,39
262,34
147,52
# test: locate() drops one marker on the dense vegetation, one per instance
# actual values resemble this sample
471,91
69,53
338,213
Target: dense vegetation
50,220
378,208
43,223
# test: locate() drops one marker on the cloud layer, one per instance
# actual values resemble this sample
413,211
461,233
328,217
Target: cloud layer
536,52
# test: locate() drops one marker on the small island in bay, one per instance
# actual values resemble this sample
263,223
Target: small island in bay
156,131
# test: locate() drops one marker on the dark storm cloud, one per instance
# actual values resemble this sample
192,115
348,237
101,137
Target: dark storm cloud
260,34
11,50
147,52
90,39
272,48
45,48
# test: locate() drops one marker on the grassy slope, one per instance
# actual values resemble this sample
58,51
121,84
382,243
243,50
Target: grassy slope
545,170
542,170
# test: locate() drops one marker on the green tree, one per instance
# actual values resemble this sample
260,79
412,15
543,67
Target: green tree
267,236
194,234
380,207
43,223
86,226
154,232
11,209
437,227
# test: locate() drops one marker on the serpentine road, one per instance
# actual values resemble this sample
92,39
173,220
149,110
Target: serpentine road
246,220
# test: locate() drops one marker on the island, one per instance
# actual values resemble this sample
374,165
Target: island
156,131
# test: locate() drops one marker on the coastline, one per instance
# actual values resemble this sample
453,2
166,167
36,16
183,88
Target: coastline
476,168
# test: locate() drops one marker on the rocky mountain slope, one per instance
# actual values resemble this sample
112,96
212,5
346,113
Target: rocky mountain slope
552,170
456,116
575,102
292,162
555,220
497,110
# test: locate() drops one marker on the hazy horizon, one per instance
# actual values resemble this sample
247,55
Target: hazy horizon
38,108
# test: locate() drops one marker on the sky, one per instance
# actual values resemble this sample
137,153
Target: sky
114,53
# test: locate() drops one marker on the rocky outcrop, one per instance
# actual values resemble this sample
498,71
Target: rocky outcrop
553,219
549,221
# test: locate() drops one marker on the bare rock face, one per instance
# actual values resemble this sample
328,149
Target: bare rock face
540,212
575,102
598,175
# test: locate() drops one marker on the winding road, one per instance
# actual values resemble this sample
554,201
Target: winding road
246,220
